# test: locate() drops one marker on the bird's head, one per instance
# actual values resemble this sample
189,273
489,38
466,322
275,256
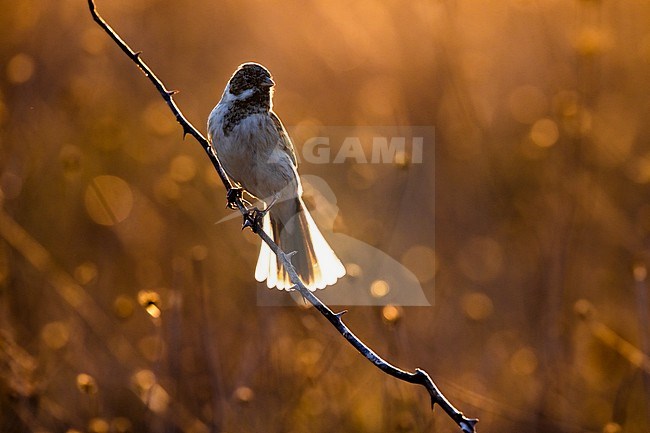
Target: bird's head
250,79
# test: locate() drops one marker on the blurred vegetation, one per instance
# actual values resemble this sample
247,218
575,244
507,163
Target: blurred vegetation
123,307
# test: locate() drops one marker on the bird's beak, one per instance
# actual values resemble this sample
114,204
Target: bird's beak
268,82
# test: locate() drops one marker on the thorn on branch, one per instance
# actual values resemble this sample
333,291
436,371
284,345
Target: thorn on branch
248,223
172,92
340,313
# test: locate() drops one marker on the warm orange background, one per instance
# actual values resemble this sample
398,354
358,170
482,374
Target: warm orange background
118,291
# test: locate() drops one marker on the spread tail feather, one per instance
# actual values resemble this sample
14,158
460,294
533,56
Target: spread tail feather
315,262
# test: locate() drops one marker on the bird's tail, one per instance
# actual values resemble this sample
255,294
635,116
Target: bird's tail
315,262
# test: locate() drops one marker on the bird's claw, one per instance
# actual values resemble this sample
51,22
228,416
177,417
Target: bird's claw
253,219
235,198
233,195
254,216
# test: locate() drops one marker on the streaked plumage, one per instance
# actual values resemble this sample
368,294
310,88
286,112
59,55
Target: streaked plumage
257,154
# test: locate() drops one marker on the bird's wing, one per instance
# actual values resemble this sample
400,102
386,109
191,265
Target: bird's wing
285,140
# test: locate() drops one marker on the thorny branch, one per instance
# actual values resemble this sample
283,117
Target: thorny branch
420,377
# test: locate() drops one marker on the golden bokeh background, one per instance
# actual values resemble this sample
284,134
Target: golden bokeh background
125,308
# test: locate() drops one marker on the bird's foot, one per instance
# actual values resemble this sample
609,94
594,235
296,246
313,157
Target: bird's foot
235,195
253,217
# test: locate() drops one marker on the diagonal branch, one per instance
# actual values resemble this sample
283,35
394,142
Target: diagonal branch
420,377
188,128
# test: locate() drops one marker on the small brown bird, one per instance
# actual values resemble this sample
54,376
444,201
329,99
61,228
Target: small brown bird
257,154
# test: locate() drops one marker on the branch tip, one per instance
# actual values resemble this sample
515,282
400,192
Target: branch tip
468,425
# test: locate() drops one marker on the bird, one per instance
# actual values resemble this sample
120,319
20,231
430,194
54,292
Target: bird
258,156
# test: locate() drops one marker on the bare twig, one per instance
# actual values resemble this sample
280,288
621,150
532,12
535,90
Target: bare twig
77,298
603,332
420,377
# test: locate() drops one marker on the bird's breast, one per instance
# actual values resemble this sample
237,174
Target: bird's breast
250,155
